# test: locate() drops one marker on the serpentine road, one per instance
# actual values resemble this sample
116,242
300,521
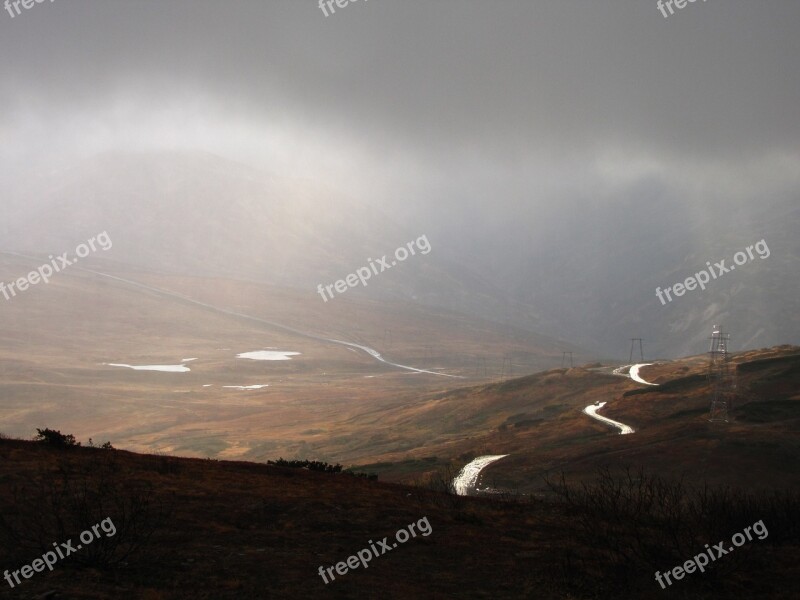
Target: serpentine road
633,373
592,409
468,476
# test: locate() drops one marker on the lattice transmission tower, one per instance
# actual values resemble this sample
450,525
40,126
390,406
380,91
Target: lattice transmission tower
641,350
506,372
721,376
480,363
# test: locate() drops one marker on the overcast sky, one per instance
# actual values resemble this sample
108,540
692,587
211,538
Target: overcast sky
435,97
500,128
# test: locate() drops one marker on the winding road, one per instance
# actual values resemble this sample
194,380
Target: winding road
468,476
633,373
592,409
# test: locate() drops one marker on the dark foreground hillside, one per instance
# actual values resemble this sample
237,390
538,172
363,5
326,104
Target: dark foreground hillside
207,529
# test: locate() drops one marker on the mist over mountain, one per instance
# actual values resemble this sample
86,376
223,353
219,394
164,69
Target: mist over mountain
585,271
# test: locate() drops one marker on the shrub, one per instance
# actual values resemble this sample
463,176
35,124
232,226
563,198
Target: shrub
311,465
362,475
103,446
55,438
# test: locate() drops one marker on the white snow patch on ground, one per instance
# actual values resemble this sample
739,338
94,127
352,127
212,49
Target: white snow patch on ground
164,368
268,355
246,387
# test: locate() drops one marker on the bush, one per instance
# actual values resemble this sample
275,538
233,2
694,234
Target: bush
322,467
103,446
311,465
362,475
55,438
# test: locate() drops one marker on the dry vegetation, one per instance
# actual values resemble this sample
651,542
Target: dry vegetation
217,529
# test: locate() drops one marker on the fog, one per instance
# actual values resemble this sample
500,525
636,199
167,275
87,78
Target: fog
572,154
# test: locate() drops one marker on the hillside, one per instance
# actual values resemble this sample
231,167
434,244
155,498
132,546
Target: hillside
538,421
223,529
55,363
242,530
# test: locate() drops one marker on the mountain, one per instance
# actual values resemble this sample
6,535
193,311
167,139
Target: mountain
591,268
199,214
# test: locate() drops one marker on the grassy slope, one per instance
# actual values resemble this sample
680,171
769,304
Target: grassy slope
244,530
538,421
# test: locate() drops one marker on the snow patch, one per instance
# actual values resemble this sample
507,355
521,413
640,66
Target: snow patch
163,368
268,355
